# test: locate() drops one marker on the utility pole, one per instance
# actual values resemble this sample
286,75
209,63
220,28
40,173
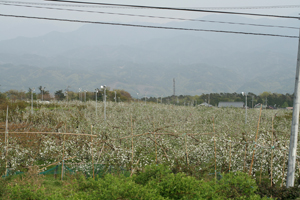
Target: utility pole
104,88
295,124
32,90
115,96
42,89
252,101
174,87
96,90
246,109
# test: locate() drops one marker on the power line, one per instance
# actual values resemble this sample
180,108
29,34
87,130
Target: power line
148,26
178,9
206,8
151,16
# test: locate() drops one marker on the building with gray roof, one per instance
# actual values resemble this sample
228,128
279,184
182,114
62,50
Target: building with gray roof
223,104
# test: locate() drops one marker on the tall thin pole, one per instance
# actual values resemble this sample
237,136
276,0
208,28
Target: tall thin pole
104,103
32,89
131,144
215,149
96,101
246,110
43,93
6,140
115,96
294,130
272,152
92,152
250,170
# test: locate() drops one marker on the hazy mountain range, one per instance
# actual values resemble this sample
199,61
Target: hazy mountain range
146,60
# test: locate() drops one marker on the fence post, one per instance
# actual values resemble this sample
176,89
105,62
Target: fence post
250,171
92,152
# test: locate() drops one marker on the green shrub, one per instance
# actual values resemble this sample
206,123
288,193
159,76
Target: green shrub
177,186
27,191
113,187
236,185
151,172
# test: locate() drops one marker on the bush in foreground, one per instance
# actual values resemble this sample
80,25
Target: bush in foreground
155,182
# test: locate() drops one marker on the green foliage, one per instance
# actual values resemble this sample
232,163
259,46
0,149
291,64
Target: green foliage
236,185
25,192
285,104
59,95
279,192
113,187
151,172
177,186
155,182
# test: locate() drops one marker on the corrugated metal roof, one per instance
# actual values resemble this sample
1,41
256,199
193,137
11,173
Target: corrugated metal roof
231,104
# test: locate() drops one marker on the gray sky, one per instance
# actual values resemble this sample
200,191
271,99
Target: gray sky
10,24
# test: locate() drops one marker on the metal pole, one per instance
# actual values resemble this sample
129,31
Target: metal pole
115,96
294,130
96,102
246,110
31,101
32,90
104,103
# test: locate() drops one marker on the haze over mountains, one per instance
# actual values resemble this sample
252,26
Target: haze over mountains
146,60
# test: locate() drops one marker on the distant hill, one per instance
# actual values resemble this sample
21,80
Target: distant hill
146,60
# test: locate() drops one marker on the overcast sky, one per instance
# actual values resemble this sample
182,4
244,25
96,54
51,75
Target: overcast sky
45,26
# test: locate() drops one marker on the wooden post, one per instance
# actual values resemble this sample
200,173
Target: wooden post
250,171
92,152
260,170
6,141
245,157
272,152
230,156
186,153
283,166
131,146
63,157
215,149
155,148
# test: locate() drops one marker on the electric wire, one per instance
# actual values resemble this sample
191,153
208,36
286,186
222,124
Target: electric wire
207,8
148,26
173,8
150,16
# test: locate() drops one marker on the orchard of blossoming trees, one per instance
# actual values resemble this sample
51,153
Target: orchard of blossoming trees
136,134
